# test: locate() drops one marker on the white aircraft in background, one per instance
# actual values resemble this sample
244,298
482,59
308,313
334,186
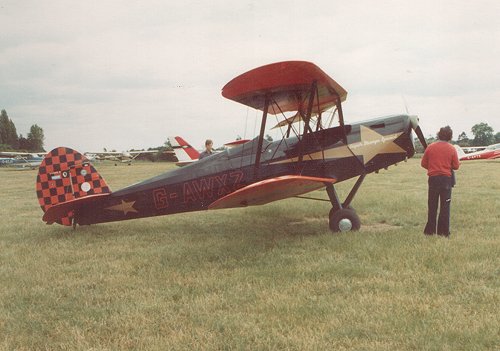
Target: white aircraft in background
21,160
123,157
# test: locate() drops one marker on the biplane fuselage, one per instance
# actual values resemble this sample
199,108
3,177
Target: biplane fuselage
372,145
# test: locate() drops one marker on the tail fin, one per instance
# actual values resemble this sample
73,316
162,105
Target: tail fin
460,152
66,175
184,152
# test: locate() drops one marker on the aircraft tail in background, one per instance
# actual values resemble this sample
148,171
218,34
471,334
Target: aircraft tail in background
460,151
184,152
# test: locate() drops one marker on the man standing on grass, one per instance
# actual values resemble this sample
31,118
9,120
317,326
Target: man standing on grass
440,159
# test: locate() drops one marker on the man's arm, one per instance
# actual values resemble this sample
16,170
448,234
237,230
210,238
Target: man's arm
425,160
455,163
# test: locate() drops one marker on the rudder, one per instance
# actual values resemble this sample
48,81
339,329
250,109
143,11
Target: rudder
460,151
183,151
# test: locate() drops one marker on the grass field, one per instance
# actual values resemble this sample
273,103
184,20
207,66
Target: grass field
261,278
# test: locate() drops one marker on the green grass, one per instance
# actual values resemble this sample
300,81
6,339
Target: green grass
260,278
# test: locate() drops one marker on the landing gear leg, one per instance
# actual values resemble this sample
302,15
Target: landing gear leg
74,219
343,217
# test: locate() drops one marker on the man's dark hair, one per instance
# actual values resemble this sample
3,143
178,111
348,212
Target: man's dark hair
445,133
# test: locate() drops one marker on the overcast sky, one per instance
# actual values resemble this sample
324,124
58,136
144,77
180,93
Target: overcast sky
128,74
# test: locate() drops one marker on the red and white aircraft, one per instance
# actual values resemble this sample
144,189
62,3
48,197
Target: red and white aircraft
489,153
186,154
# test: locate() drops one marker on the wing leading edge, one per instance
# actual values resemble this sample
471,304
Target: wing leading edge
269,190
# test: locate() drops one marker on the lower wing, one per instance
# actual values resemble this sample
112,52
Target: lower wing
269,190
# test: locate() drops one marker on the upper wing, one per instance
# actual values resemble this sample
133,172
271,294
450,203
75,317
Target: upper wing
270,190
287,84
122,153
143,152
103,153
19,154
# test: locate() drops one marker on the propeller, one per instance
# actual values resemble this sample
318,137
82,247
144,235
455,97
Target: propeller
418,131
420,136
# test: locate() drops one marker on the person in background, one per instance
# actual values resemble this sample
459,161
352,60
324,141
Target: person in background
440,159
208,149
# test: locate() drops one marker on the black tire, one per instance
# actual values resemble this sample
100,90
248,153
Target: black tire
332,211
344,219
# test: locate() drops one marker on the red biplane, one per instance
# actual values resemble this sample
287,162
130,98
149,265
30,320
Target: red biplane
309,156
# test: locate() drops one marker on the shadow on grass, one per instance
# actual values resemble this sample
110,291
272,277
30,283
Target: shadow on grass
225,239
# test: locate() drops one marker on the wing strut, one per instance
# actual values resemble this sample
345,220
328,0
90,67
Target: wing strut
261,138
307,117
341,118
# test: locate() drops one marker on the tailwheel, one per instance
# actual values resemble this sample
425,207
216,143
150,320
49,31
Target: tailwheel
344,220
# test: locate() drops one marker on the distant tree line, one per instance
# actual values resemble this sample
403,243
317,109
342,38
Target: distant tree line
483,133
10,141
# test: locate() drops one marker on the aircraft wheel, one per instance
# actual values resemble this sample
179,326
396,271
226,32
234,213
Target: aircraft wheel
344,220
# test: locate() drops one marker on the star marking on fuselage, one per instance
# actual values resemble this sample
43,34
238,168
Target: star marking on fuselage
124,206
370,145
373,144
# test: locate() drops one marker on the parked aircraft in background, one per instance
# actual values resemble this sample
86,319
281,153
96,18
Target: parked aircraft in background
122,157
488,153
6,161
71,191
21,160
469,149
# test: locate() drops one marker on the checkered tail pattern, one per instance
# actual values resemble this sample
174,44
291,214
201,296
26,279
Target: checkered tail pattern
64,175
